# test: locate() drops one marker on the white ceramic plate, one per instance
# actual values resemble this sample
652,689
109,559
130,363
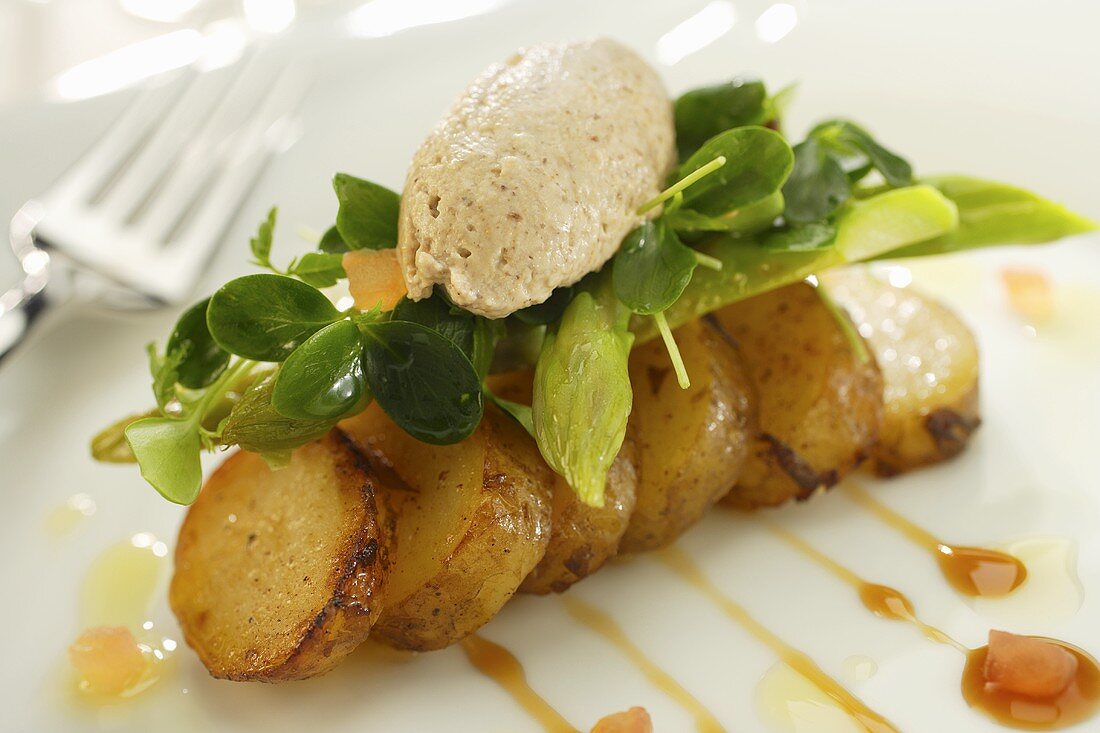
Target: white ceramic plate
1000,89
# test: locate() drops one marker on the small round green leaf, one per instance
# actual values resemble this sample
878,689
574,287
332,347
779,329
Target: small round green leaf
422,381
266,317
167,451
476,336
367,218
652,268
703,113
323,378
758,161
817,186
436,313
203,359
331,242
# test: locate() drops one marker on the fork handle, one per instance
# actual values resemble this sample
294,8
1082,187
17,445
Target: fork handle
23,308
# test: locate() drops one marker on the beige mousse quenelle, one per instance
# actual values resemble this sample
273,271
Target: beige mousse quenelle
533,178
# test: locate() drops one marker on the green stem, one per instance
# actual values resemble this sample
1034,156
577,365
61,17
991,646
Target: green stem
681,184
673,350
216,390
712,263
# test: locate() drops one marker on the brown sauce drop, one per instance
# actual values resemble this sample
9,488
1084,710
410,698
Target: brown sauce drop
871,721
605,626
499,664
972,571
975,571
1075,703
882,600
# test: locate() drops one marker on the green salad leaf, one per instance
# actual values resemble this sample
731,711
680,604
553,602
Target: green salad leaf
261,243
323,378
423,381
201,359
849,141
652,268
701,114
818,185
332,243
165,371
367,218
758,161
167,451
265,317
474,335
319,269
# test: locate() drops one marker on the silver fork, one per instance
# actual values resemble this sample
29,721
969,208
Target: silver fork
134,223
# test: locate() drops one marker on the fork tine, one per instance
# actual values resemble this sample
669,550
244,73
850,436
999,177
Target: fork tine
244,158
104,160
183,183
177,124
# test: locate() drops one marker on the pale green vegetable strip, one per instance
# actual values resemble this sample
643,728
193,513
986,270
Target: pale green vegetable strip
582,394
992,213
877,225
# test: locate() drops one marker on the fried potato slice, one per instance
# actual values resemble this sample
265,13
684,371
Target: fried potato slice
279,574
820,407
929,363
471,521
692,443
582,537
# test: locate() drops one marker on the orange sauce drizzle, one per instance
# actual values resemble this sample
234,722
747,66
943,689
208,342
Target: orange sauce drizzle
605,626
881,600
1075,703
972,571
683,566
500,665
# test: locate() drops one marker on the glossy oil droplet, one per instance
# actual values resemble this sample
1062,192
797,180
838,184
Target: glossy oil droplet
66,517
121,582
788,702
860,667
1052,591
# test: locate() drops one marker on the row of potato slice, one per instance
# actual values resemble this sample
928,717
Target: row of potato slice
368,532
